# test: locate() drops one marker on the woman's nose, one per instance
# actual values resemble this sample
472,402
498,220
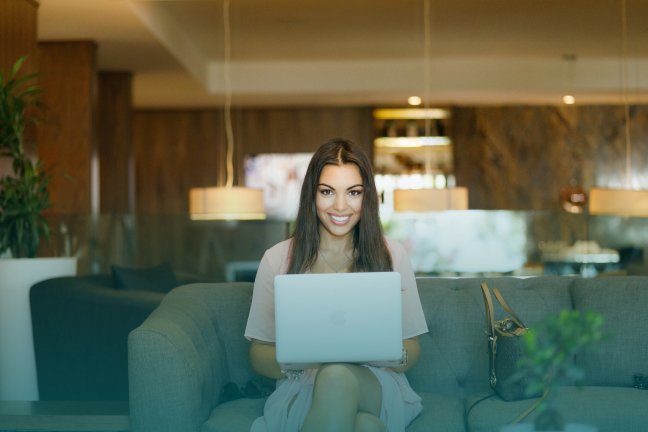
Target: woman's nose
340,202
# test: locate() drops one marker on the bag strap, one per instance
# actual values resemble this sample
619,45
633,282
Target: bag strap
490,332
488,302
507,308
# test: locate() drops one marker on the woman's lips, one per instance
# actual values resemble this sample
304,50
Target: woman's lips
340,220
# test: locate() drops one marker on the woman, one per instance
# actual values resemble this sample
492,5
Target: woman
337,230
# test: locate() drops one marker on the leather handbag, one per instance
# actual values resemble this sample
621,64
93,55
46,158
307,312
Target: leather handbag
505,348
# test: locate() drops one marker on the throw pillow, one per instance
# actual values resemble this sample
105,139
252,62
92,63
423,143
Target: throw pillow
160,278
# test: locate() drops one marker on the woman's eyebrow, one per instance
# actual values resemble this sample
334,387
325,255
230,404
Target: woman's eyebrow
349,188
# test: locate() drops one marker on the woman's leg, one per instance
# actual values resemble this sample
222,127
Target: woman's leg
341,393
368,423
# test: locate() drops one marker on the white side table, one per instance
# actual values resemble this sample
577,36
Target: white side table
18,379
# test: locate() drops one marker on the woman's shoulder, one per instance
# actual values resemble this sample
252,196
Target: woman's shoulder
394,246
399,254
280,249
277,256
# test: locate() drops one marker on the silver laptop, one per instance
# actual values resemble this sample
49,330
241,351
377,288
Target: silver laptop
338,317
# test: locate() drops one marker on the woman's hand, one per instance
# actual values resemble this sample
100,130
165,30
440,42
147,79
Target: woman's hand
263,358
413,350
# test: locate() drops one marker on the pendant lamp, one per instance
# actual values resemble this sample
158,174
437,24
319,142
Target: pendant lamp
621,201
573,198
227,202
429,199
568,98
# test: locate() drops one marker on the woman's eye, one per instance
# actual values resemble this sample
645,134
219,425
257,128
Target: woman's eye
355,192
326,192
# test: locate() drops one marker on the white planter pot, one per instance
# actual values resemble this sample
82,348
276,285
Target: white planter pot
17,362
528,427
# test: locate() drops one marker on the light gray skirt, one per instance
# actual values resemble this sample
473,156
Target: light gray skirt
286,408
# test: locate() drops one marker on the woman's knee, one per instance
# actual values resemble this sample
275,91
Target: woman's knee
366,422
337,376
349,383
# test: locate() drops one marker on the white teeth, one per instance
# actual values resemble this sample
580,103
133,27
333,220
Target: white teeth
340,219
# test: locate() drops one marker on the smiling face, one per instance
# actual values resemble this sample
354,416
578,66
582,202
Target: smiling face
339,199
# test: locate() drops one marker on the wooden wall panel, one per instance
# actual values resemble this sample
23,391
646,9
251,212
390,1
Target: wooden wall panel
114,142
18,38
288,130
177,150
302,129
519,157
510,157
66,140
174,151
18,34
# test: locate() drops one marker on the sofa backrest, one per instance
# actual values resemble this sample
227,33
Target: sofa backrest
623,302
226,305
454,355
80,325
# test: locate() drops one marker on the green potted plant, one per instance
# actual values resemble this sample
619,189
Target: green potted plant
23,197
23,192
549,363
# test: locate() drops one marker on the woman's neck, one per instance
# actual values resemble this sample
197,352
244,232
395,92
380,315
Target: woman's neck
336,244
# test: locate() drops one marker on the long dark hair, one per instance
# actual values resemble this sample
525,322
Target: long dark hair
370,252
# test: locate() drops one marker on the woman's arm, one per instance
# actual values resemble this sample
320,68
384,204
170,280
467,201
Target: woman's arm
263,358
413,350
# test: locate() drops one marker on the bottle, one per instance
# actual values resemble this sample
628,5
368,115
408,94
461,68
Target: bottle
411,130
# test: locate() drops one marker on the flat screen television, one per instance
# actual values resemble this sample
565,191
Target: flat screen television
280,175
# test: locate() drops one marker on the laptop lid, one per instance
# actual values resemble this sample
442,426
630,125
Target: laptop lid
338,317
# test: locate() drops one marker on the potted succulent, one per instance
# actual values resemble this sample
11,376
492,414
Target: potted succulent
549,363
23,198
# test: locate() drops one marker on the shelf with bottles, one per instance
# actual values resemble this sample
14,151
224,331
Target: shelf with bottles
412,140
411,127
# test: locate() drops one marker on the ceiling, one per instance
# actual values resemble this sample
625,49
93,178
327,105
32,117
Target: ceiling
363,52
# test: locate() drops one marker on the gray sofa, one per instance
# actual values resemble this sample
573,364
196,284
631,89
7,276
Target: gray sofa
192,345
80,326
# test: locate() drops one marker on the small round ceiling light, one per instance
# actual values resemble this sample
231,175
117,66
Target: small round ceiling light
414,100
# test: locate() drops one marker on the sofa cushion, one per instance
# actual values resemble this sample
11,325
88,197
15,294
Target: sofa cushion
609,409
159,278
623,303
454,354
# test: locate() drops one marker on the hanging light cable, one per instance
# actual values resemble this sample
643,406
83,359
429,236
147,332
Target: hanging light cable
426,65
624,92
227,78
429,199
628,201
569,99
228,202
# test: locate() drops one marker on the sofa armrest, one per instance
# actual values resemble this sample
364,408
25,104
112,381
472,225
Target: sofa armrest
180,357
